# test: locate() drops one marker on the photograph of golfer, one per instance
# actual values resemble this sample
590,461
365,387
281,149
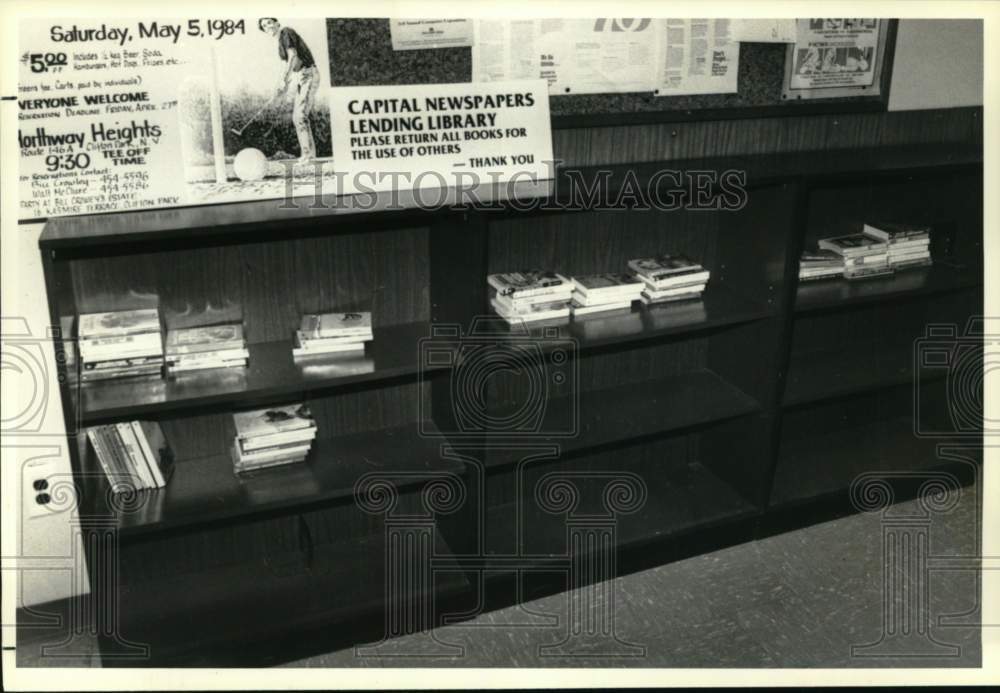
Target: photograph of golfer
299,80
254,113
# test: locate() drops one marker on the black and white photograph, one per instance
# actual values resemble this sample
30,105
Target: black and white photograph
506,345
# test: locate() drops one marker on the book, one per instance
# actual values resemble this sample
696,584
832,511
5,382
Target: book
120,462
580,310
824,257
120,322
306,347
877,271
211,338
660,268
273,420
223,355
853,245
873,259
271,454
530,308
103,454
124,346
286,438
895,231
552,314
115,373
669,299
204,365
527,283
322,325
136,459
668,293
129,362
606,284
156,450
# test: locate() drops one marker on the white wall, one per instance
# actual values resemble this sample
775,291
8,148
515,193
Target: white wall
938,64
39,546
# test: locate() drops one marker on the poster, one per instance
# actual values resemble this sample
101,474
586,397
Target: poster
442,135
575,56
699,56
134,114
834,53
417,34
764,30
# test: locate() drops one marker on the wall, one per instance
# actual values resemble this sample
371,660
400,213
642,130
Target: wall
939,64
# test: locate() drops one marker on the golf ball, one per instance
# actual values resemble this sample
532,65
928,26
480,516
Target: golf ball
250,164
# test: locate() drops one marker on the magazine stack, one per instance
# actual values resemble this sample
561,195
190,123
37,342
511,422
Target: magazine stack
864,256
120,344
669,278
271,437
199,348
909,245
531,296
820,264
600,293
333,333
133,454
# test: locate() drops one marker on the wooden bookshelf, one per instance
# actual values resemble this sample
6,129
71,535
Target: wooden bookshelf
724,407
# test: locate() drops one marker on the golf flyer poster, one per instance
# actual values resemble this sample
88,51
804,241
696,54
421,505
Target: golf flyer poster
141,114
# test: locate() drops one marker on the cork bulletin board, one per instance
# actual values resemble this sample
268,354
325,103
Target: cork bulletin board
361,54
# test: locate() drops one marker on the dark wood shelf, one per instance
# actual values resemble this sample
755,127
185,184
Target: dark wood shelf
817,375
692,498
270,598
832,294
272,373
205,489
720,306
811,465
635,411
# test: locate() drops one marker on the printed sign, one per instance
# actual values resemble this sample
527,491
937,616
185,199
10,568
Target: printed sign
441,135
415,34
835,57
134,114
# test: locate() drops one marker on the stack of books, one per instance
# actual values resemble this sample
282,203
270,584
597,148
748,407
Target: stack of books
669,278
600,293
530,296
272,436
820,264
864,256
333,333
120,344
198,348
909,245
133,455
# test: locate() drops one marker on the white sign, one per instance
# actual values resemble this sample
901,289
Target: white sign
764,30
131,114
414,34
699,56
441,135
575,56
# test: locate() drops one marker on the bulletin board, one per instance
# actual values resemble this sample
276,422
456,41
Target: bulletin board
361,53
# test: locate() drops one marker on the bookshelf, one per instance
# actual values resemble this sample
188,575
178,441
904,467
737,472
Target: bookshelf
764,399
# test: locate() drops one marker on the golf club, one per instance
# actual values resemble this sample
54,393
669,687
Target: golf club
252,118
